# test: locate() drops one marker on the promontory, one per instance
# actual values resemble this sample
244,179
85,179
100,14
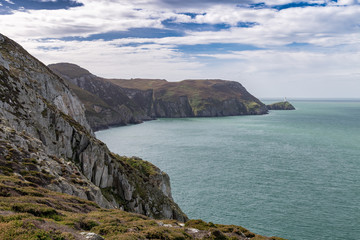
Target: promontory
57,181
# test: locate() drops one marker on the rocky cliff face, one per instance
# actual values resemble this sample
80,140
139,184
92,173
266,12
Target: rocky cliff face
143,99
45,138
281,106
106,104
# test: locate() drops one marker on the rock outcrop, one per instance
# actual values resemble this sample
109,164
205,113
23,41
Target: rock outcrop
106,104
116,101
281,106
28,211
46,139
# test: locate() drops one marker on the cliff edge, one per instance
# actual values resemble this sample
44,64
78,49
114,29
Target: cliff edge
111,102
46,139
57,181
280,106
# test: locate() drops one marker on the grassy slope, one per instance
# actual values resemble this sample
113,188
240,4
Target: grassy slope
204,96
199,92
192,88
70,70
139,83
28,211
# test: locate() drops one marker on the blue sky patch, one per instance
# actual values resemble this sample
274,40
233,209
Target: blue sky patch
255,5
201,27
297,5
285,6
298,44
133,44
49,48
214,48
246,24
131,33
192,15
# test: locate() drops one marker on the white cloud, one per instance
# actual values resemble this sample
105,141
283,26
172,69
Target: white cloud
108,59
311,24
327,26
92,18
332,32
347,2
269,73
9,1
265,73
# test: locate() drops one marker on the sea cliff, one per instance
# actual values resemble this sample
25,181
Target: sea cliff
57,181
285,105
111,102
42,120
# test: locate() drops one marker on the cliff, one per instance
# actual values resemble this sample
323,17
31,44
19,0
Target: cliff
28,211
281,106
45,138
106,104
48,151
145,99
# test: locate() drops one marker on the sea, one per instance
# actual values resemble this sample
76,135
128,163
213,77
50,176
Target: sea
291,174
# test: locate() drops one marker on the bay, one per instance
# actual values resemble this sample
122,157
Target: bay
292,174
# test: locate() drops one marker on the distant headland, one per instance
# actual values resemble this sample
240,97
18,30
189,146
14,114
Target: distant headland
113,102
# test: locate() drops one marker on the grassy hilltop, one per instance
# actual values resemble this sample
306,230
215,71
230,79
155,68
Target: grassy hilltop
119,101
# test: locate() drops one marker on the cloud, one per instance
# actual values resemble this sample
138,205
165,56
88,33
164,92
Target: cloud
329,26
269,73
347,2
199,3
117,58
264,72
9,1
97,17
161,39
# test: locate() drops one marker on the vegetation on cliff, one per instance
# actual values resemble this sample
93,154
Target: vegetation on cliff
43,121
57,181
144,99
28,211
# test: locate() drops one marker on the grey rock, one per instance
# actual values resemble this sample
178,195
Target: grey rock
92,236
3,62
285,105
123,105
43,118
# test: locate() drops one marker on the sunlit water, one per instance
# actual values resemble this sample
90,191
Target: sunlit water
293,174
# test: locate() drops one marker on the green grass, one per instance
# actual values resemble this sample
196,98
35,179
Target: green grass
145,167
201,93
50,215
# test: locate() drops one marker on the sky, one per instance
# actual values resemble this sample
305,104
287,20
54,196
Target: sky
275,48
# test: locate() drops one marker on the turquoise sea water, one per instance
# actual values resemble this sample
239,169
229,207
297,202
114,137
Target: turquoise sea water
292,174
